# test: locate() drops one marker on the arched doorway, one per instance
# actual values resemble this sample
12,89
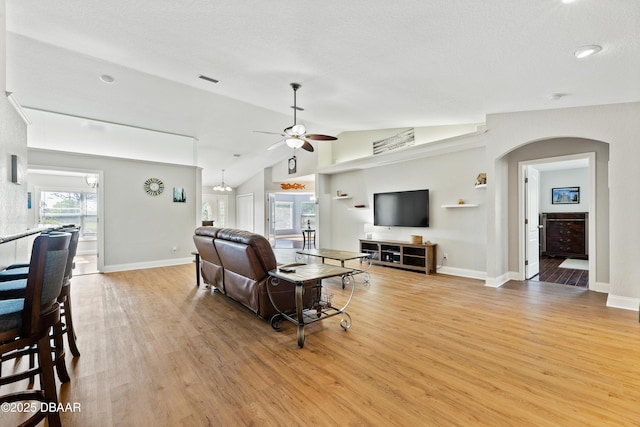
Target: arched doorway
595,189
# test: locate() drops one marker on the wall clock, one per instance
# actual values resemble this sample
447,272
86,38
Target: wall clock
153,186
292,165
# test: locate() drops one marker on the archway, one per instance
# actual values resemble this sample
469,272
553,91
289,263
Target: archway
555,149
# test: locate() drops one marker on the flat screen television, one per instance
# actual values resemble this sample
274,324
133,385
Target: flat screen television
401,209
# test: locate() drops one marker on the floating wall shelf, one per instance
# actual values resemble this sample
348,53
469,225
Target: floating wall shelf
341,197
481,186
465,205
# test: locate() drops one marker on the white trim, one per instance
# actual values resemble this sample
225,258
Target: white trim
148,264
16,106
100,195
600,287
627,303
87,252
462,272
496,282
591,226
110,122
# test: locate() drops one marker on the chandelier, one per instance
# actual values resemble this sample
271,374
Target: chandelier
91,180
222,186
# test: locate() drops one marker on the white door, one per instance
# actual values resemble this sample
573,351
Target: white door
271,219
244,212
532,223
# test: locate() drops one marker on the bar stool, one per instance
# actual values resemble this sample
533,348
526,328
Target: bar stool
25,326
308,236
16,289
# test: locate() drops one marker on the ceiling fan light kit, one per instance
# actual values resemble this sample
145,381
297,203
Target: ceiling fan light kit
294,142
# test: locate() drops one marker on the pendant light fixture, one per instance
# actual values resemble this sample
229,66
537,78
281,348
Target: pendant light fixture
222,186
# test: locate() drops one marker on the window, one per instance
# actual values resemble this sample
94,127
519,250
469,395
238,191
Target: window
284,216
308,208
214,207
308,214
66,207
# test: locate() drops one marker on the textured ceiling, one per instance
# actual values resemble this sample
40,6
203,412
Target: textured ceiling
363,64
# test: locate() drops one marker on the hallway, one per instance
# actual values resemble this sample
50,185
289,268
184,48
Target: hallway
550,271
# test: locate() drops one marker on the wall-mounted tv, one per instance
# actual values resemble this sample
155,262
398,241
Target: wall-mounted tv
401,209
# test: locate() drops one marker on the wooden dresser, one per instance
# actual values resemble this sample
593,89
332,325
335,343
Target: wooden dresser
565,234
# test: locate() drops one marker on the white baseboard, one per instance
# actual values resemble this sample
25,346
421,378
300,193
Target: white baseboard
496,282
463,272
600,287
151,264
626,303
87,252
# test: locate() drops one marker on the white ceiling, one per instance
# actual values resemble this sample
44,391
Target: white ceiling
362,64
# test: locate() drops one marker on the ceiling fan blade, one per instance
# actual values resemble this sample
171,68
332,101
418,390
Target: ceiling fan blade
275,145
307,146
270,133
319,137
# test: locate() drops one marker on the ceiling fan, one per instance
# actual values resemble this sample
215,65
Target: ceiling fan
296,136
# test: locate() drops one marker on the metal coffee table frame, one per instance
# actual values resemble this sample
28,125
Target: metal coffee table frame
320,310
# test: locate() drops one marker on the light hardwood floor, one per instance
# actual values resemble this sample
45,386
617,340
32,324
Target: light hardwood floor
423,350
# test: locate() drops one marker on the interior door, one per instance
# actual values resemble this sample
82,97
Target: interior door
532,223
244,212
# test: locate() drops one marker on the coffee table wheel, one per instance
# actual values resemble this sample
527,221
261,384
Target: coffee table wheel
276,322
300,336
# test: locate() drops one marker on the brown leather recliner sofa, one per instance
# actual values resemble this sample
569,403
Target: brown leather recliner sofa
237,262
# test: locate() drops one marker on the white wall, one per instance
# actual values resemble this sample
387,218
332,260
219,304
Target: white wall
13,140
565,178
256,186
557,148
51,131
358,144
616,125
449,177
139,230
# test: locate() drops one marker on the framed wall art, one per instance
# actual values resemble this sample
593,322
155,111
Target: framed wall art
565,195
179,195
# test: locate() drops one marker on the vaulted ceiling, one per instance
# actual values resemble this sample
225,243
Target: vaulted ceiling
362,64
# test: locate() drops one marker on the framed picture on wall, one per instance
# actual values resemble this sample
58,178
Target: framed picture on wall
565,195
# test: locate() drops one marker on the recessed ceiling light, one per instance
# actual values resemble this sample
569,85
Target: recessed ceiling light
568,1
106,78
557,96
586,51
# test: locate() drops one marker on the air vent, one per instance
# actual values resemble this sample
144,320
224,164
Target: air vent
209,79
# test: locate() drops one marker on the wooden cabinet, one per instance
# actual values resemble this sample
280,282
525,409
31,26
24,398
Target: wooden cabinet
404,255
565,234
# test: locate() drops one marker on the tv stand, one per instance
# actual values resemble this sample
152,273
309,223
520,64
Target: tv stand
399,254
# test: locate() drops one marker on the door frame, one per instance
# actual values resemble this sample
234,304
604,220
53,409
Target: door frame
531,200
272,197
99,200
522,241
